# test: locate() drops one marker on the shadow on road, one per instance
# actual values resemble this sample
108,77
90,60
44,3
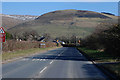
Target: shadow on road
73,58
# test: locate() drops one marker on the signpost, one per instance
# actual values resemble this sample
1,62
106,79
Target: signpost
42,45
2,37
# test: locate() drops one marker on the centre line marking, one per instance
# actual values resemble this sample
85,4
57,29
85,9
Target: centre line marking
40,59
51,62
43,69
44,60
59,55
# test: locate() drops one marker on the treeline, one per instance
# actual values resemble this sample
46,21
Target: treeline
27,40
105,38
30,35
73,39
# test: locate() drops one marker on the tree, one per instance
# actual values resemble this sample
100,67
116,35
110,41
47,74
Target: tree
29,35
106,38
47,37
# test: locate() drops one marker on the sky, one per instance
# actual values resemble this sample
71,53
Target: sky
39,8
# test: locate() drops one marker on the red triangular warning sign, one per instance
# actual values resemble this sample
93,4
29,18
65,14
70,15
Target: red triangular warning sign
2,31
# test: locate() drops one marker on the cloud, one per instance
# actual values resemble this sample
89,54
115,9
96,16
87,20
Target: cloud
60,0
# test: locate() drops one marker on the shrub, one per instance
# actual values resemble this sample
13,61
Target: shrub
8,36
106,38
12,45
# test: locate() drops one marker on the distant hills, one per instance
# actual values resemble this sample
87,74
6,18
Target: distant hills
9,21
64,23
108,13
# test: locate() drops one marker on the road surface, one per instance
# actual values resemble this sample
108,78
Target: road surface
66,62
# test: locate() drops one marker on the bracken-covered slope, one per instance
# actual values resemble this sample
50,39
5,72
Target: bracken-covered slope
65,23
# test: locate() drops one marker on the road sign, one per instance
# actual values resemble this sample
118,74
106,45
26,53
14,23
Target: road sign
2,39
2,31
2,35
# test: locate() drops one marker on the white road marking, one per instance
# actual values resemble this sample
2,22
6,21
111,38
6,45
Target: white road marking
33,59
59,55
62,52
79,53
89,62
43,69
39,59
25,59
44,60
51,62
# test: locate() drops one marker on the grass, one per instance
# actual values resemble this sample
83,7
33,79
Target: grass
105,59
22,53
81,27
60,30
99,56
113,68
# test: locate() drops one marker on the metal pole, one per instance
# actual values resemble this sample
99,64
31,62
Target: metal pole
1,62
1,48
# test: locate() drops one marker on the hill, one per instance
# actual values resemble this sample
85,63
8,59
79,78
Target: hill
64,23
9,21
108,13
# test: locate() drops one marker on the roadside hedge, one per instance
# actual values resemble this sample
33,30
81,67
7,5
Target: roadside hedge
13,45
106,39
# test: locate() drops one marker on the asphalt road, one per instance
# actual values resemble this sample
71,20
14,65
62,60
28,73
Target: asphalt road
66,62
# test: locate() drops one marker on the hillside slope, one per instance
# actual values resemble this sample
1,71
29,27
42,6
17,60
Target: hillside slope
65,23
9,21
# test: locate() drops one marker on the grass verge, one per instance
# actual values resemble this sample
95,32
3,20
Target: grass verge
113,68
22,53
99,56
109,62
